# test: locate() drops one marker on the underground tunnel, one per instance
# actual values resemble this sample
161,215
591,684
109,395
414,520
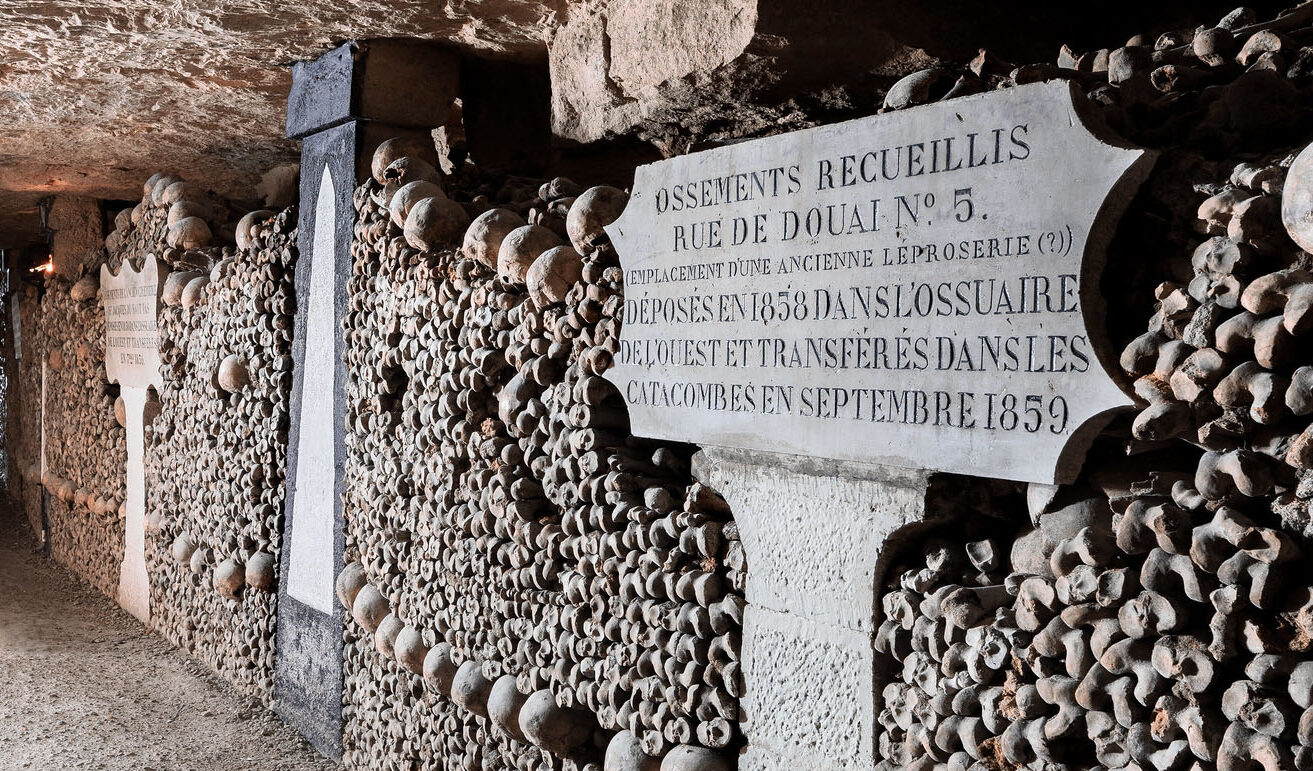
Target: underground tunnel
633,386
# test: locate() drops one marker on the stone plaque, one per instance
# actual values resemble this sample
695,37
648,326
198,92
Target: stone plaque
132,359
132,337
915,289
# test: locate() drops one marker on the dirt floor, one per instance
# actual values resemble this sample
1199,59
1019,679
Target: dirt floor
84,686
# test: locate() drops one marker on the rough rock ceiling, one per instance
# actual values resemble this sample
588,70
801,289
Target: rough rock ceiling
96,95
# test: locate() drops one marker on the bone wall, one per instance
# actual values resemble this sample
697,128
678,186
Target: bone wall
1158,613
530,587
216,432
85,446
217,451
24,436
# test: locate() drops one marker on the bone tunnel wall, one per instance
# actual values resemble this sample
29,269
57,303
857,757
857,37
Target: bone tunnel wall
69,450
215,433
534,556
532,578
1157,613
510,548
1153,614
217,451
24,435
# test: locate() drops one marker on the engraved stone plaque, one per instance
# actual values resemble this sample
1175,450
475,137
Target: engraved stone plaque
132,336
132,359
917,289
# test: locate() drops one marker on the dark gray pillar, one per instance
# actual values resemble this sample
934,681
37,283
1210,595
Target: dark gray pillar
342,105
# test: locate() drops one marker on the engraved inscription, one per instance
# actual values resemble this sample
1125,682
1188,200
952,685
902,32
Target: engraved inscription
131,300
911,288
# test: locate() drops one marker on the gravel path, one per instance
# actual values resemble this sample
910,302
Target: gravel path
85,686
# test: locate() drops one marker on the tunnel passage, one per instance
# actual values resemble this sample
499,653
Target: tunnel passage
527,585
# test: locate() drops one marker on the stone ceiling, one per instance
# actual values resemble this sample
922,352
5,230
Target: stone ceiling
96,95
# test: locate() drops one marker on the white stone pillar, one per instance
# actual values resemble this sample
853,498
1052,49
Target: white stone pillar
134,586
814,533
311,567
132,359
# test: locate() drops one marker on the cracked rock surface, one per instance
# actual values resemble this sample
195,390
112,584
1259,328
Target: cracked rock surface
97,95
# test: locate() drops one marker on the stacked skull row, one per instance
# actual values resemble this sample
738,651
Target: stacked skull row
1235,65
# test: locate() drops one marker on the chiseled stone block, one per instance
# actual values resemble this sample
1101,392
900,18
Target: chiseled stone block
814,533
810,699
358,81
78,233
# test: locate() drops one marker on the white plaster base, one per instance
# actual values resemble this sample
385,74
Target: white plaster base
813,533
134,586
